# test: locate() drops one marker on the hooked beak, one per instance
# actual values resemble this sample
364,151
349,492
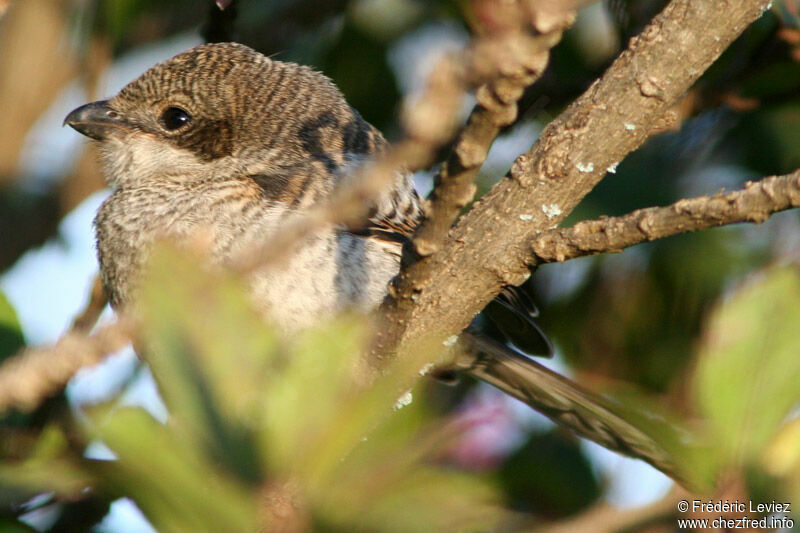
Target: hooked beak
96,120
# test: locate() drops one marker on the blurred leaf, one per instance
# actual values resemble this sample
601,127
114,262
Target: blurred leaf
385,19
434,500
302,411
176,486
118,15
774,79
782,456
49,467
549,476
781,459
11,337
302,400
357,63
210,353
748,370
319,407
389,482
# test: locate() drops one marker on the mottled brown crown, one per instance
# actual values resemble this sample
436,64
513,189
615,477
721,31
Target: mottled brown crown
245,104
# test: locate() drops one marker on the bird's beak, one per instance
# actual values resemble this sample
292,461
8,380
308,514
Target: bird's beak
96,120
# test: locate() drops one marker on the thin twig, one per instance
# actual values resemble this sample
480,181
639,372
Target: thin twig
755,203
34,374
87,318
518,60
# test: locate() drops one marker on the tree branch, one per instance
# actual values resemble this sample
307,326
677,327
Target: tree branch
88,318
755,203
484,251
522,60
36,373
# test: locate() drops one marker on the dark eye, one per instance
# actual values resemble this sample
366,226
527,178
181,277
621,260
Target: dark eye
174,117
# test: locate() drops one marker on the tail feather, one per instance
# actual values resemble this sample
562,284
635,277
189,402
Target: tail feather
563,401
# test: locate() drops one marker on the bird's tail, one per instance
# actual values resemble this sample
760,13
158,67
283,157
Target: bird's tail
563,401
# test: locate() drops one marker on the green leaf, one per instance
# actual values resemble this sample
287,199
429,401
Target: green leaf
303,398
389,482
749,370
210,353
550,476
782,456
778,126
320,405
428,499
302,410
11,337
48,467
781,459
118,15
177,487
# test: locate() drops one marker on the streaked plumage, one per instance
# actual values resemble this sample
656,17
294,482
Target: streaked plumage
265,141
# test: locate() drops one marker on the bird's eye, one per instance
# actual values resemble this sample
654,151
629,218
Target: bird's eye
174,117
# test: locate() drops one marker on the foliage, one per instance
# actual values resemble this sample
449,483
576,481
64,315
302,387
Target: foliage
256,419
748,371
11,338
250,413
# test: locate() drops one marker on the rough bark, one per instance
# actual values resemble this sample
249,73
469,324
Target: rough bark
755,203
486,250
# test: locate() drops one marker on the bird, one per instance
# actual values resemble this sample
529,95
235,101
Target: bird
223,140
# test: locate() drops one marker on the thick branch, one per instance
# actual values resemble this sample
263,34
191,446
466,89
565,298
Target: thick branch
613,117
755,203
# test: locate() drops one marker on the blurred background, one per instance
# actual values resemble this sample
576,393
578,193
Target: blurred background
629,323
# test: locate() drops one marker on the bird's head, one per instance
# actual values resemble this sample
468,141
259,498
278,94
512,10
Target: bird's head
219,110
